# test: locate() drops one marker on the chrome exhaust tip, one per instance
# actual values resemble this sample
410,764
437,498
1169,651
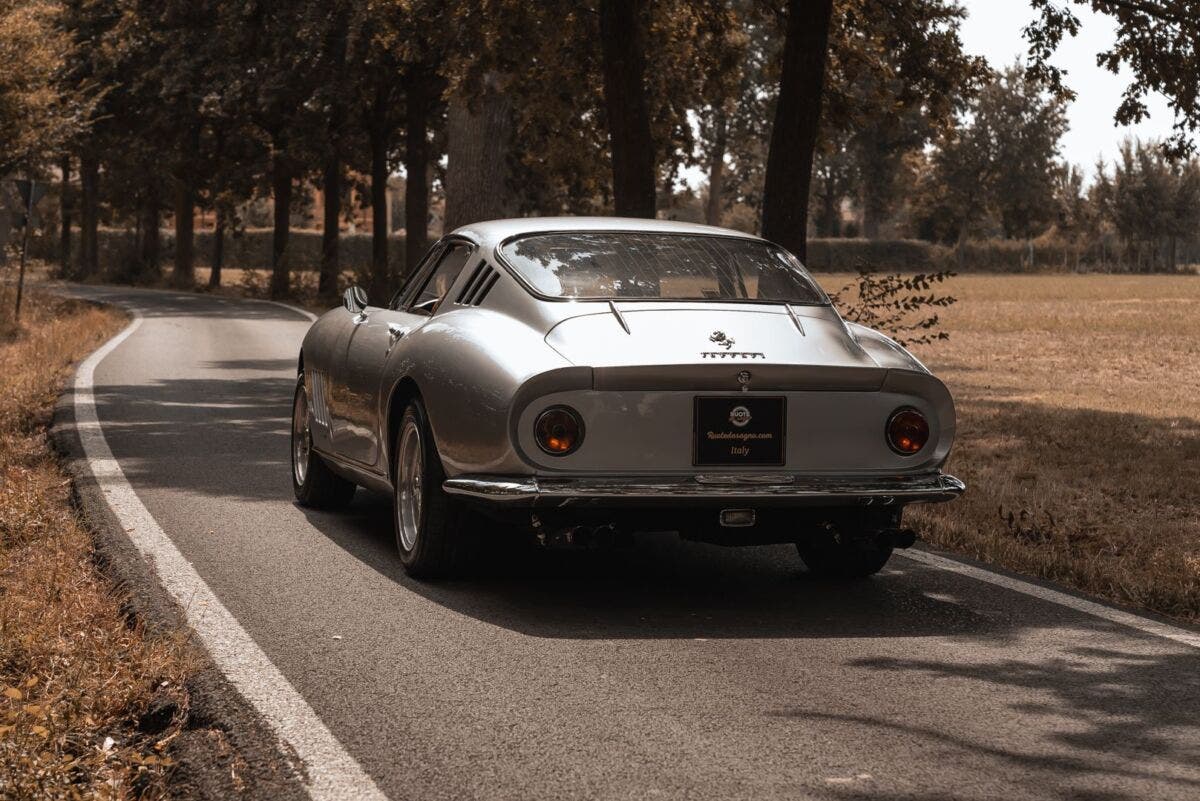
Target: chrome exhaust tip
737,518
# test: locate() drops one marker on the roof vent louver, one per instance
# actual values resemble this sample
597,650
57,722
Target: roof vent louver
478,285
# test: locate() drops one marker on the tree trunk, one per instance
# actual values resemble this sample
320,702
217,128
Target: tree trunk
829,218
624,62
184,273
381,278
218,249
332,189
150,238
416,167
716,170
281,185
872,217
478,143
89,222
66,200
797,120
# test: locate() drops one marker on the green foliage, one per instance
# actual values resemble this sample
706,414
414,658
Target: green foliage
38,117
903,307
998,166
1156,39
1149,201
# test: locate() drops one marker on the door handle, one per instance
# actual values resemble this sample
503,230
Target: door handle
396,331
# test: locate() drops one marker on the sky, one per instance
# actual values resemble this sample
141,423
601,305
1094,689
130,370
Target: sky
993,30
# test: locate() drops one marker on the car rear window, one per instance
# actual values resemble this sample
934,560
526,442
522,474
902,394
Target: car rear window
616,265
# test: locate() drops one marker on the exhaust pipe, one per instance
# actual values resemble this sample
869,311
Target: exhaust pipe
898,537
584,537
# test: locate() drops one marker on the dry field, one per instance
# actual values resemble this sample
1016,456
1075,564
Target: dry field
77,674
1078,433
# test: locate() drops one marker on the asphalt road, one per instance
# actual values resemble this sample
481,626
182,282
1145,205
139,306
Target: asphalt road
670,670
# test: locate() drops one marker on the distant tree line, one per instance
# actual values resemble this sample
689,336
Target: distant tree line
794,109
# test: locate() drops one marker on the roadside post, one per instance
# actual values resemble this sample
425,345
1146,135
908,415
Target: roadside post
31,192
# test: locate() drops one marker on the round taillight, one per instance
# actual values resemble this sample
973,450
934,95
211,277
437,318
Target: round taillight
558,430
907,431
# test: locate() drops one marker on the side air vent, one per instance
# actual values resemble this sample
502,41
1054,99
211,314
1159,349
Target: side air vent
478,285
319,402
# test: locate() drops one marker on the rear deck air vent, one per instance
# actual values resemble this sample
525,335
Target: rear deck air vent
478,285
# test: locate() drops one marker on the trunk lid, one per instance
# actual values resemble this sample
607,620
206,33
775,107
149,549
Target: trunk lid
706,347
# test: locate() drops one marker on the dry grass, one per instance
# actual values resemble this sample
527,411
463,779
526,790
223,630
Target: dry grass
77,674
1079,432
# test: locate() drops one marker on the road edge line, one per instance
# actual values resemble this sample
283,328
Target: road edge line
1128,619
329,772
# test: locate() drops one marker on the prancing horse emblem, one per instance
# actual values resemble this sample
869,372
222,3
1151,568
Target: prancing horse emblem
719,338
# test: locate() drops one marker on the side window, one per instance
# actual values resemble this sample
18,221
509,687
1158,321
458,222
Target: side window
441,279
406,288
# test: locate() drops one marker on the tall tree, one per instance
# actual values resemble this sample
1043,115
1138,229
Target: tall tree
797,122
328,22
39,114
479,133
1155,39
622,42
275,93
1000,164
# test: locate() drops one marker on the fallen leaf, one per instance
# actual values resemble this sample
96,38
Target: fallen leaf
13,693
40,731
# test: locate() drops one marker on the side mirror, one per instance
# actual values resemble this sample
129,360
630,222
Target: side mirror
355,300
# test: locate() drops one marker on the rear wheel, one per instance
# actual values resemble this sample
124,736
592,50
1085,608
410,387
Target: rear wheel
830,555
315,485
432,530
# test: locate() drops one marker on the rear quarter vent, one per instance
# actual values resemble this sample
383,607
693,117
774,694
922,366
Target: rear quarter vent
478,285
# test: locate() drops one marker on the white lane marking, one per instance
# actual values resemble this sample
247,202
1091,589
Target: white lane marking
1142,624
290,307
330,772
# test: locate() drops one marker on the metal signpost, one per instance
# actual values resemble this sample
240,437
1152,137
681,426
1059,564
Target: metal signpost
31,192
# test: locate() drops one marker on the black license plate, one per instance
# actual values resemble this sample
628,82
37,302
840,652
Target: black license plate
739,431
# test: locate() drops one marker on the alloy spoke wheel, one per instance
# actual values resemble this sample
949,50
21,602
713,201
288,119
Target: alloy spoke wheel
301,437
409,495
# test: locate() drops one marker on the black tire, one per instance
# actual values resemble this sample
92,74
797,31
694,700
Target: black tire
843,558
441,539
316,486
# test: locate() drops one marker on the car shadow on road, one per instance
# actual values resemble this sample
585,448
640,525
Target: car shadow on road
658,587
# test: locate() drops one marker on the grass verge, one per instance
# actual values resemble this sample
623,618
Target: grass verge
89,701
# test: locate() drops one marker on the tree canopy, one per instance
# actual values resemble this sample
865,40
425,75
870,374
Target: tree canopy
846,116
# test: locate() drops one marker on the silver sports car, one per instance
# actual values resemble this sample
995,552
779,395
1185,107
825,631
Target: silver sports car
576,378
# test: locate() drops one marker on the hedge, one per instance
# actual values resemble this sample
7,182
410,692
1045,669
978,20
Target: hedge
252,249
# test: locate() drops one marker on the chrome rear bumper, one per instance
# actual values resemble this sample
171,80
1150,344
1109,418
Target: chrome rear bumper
775,489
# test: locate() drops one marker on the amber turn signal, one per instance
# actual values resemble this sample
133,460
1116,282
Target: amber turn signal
907,431
558,430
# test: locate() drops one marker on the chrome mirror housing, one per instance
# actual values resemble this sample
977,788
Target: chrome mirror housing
355,300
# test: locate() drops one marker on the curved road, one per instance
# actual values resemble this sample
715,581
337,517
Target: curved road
670,670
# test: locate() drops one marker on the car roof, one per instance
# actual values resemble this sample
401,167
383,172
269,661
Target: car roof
493,232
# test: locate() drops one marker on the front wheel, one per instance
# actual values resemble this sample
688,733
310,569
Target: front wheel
843,557
315,485
432,530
